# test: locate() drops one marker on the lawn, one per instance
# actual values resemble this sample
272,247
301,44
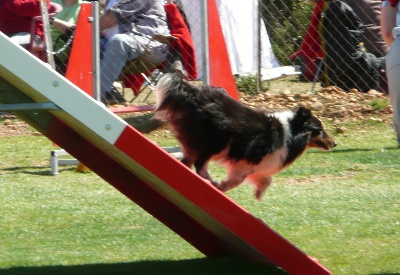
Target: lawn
341,207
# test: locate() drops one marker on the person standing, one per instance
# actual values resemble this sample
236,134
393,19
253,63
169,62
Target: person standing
390,28
369,12
335,36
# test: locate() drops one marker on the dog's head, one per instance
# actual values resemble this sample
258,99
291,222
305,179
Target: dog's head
305,122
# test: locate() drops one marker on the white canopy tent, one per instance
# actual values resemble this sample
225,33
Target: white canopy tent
240,29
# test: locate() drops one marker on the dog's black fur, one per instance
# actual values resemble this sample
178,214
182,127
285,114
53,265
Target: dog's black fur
210,125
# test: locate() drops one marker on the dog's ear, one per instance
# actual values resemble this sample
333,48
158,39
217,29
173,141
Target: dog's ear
302,116
298,123
303,113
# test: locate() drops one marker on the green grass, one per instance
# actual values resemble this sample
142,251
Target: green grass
341,207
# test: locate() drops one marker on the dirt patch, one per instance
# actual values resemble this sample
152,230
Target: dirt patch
10,125
331,103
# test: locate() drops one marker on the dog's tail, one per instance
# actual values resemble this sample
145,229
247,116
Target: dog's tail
162,87
171,93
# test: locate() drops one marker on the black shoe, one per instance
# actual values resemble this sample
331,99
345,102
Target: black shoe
112,98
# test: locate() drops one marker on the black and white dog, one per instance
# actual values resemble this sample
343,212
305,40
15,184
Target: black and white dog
252,145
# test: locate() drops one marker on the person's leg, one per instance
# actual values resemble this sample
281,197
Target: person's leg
103,43
393,76
394,93
117,52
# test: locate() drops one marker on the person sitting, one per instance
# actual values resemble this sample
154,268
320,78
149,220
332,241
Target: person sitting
346,64
16,19
138,21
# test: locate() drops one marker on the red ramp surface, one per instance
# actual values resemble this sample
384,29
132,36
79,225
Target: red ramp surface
144,172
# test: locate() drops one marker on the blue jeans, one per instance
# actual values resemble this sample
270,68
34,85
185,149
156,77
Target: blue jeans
117,52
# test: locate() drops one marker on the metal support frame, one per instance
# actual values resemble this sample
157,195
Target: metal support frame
56,161
204,34
29,107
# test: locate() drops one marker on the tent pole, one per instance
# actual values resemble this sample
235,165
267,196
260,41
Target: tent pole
96,50
204,36
258,47
47,36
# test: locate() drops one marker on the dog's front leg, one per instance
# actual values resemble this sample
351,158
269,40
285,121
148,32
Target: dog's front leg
229,184
204,174
202,171
236,175
188,158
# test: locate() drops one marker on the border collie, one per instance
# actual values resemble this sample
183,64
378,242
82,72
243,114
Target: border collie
252,145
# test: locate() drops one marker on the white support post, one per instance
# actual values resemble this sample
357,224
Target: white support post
204,37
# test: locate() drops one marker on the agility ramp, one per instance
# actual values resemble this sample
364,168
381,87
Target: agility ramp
138,168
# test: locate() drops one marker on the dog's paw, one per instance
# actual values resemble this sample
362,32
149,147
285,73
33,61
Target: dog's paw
226,186
260,191
261,185
222,187
213,183
258,194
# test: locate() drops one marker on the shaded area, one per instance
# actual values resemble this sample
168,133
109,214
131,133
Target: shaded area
144,123
207,266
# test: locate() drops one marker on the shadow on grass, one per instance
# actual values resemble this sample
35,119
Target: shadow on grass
207,266
350,150
37,170
144,123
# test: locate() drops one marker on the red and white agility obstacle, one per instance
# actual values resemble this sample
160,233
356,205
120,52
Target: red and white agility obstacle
134,165
141,170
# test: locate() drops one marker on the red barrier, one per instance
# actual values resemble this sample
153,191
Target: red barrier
220,68
80,68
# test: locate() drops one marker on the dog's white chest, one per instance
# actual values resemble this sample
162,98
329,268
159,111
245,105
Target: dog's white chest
271,164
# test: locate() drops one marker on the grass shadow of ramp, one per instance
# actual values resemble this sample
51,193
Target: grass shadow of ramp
144,123
206,266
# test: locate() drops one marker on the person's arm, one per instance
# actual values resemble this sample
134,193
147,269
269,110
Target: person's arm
107,20
124,12
388,22
61,25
